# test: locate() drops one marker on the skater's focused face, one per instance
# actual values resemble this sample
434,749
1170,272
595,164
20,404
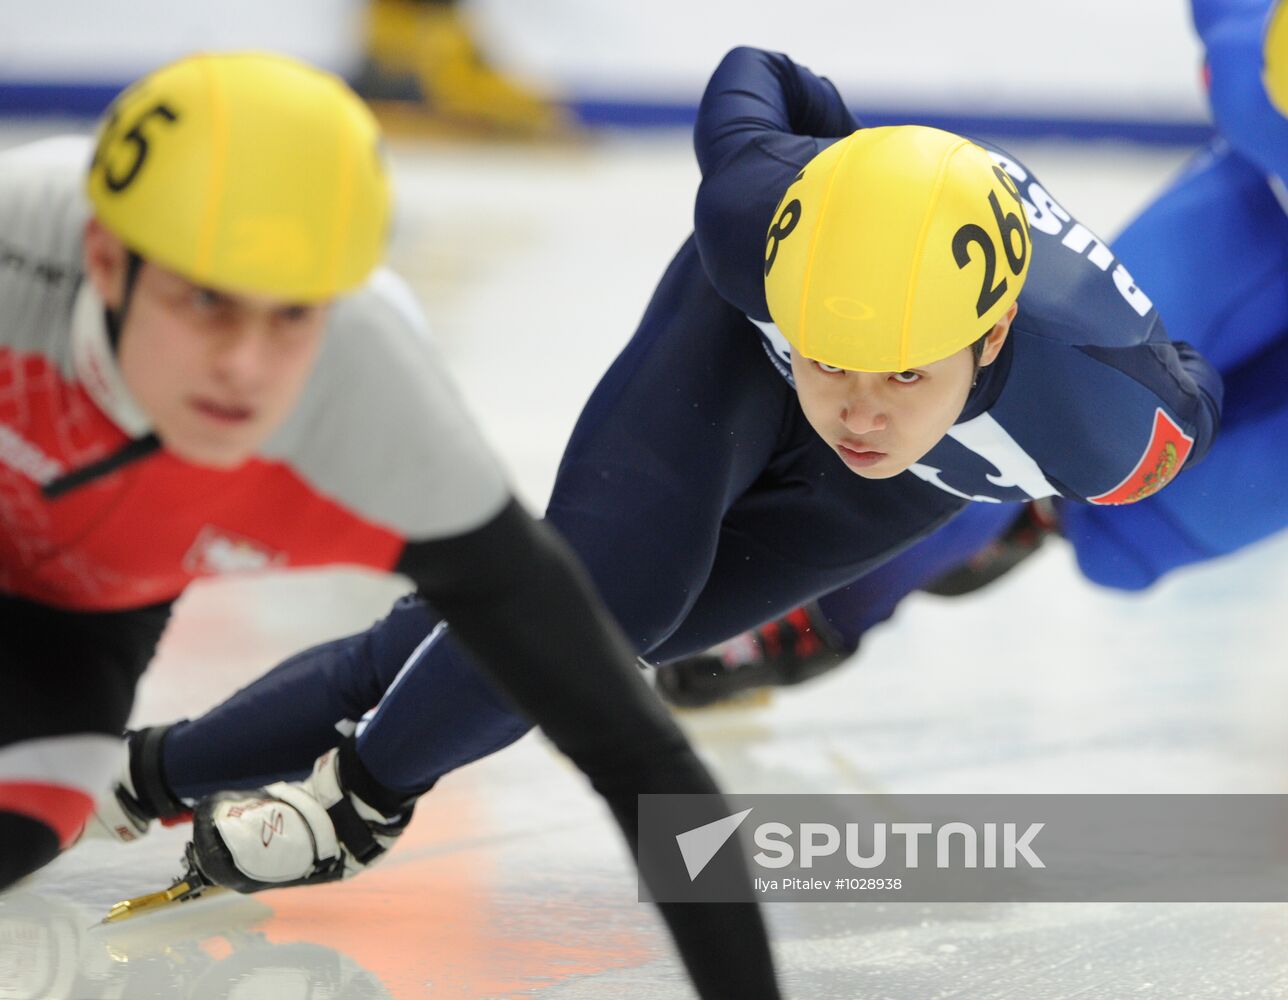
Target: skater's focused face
216,373
880,423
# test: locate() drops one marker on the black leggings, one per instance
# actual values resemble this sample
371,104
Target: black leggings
68,681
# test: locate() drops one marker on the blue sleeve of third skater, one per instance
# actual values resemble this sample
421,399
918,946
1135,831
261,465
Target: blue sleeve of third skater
762,118
1233,34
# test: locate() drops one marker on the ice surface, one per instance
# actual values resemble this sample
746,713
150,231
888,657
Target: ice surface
535,264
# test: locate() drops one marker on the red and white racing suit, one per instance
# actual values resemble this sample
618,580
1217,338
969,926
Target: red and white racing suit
98,536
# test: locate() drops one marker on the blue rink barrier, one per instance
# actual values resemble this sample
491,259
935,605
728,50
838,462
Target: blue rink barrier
39,100
87,100
601,113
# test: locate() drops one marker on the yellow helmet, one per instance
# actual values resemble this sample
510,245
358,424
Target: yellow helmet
895,247
248,172
1274,71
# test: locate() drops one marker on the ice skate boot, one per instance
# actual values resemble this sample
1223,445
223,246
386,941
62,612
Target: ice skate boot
1035,524
427,52
789,650
297,833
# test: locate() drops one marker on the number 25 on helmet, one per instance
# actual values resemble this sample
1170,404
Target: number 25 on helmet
247,172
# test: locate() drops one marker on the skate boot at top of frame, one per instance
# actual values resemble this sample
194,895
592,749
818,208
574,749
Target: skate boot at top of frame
139,796
298,832
425,52
1036,523
786,651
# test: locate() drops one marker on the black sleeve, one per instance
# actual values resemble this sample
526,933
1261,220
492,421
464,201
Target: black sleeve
521,604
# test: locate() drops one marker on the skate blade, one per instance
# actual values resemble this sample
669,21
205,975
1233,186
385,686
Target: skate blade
181,892
756,698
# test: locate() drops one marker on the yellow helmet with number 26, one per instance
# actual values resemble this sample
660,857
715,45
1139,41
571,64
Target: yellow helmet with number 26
895,247
247,172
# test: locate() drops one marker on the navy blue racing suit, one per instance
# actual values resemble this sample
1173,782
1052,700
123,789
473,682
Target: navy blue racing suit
1212,249
697,495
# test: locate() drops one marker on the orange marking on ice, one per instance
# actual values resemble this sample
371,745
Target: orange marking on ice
439,923
218,948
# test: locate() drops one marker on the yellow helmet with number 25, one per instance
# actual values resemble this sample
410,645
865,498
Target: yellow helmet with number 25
248,172
895,247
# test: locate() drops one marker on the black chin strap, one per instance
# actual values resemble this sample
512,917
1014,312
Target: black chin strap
132,450
115,318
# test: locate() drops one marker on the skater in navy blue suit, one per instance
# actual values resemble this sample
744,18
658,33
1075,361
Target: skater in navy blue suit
1212,250
869,331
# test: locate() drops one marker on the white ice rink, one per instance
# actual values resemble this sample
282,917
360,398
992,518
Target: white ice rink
534,264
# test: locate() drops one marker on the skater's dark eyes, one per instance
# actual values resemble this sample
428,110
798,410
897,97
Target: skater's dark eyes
213,306
901,378
207,300
296,313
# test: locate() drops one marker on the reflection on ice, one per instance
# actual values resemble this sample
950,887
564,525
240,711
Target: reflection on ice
513,883
51,950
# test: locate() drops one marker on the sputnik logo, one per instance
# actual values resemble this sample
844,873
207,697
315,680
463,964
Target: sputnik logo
699,845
